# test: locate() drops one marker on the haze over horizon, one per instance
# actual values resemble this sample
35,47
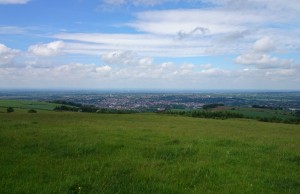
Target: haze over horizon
150,44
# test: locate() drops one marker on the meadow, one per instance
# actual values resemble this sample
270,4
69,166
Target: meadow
26,104
71,152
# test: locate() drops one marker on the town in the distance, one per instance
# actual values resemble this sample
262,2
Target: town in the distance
149,101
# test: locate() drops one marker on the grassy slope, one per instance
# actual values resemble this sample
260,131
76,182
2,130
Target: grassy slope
26,104
61,152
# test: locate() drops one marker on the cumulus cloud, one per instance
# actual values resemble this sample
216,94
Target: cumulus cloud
145,62
14,1
260,58
103,69
68,73
185,70
159,75
7,54
79,70
206,66
215,72
262,61
281,73
123,57
47,50
265,44
118,57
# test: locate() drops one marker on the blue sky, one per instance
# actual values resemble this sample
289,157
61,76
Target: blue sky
150,44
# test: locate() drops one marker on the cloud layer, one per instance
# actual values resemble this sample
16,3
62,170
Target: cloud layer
224,27
203,44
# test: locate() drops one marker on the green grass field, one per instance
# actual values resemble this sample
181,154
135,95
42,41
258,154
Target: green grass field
64,152
26,104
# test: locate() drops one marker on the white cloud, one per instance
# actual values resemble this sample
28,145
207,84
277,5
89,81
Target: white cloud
257,4
255,28
281,73
118,57
185,76
207,66
11,30
172,22
185,70
144,44
214,30
215,72
114,2
137,2
47,50
196,31
263,61
265,44
187,66
14,1
73,71
104,69
145,62
259,58
117,39
7,54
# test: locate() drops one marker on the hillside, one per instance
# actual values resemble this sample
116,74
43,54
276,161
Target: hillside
64,152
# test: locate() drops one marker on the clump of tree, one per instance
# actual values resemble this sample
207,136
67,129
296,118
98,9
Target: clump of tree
206,114
292,120
228,114
261,106
267,107
88,108
66,103
280,120
210,106
66,108
73,107
271,119
32,111
10,109
297,113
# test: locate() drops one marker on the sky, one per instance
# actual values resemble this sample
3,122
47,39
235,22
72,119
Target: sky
150,44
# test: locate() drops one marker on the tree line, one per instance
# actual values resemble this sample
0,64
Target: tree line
205,114
227,115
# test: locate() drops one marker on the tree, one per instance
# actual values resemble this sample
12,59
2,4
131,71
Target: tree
10,109
32,111
297,113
